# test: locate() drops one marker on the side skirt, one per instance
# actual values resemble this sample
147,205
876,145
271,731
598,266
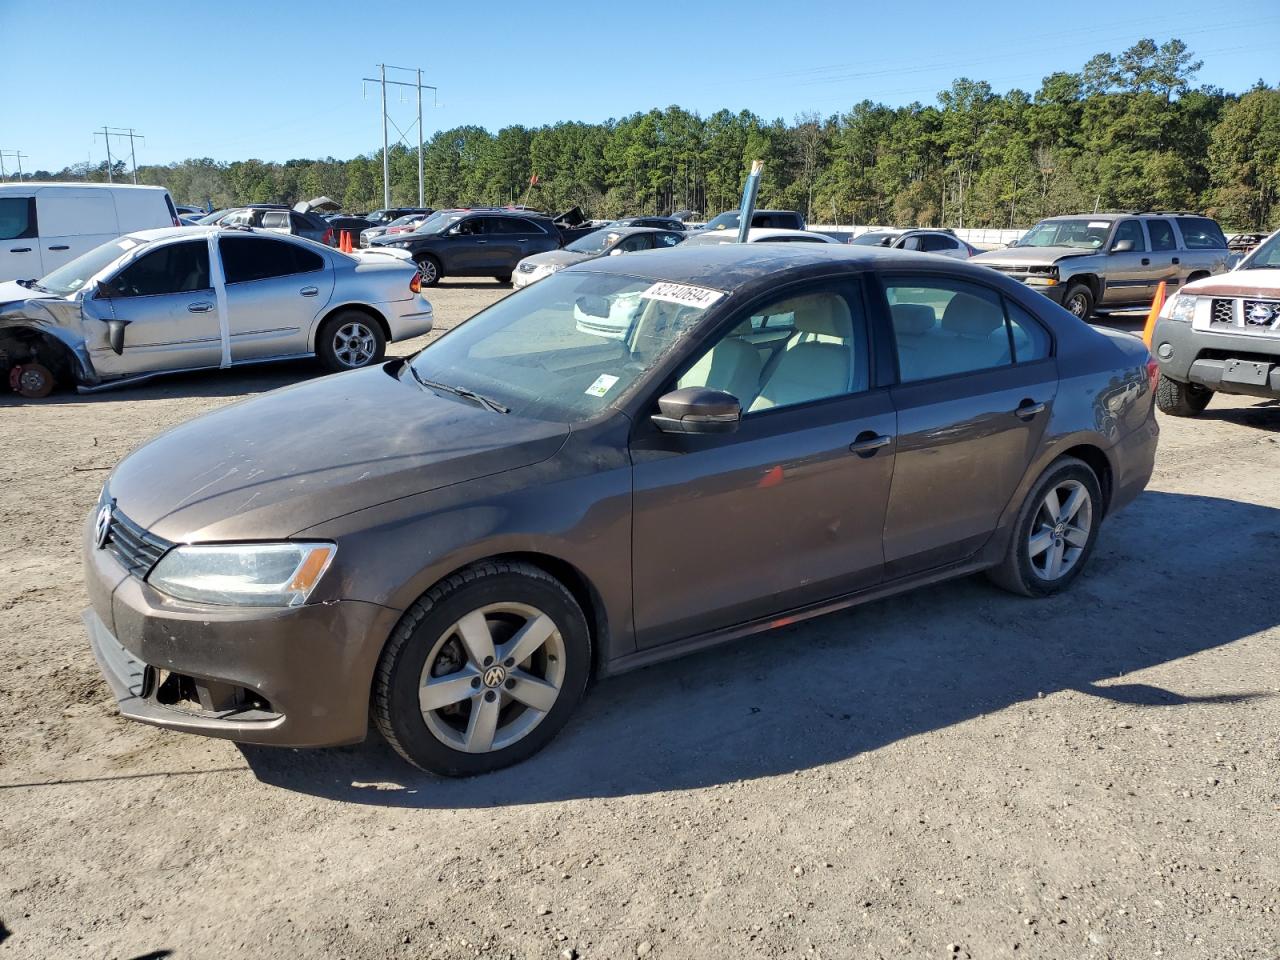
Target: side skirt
143,377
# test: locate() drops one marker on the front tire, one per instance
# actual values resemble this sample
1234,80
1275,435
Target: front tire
1054,534
1179,399
349,340
483,670
1078,301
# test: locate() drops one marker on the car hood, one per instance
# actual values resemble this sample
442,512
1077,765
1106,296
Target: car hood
273,465
1015,255
12,293
561,258
1262,282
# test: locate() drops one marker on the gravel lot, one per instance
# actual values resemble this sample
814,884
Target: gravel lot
953,773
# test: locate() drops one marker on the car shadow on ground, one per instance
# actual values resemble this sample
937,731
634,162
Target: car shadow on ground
852,682
1262,415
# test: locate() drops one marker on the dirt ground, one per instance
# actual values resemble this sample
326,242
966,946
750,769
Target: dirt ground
952,773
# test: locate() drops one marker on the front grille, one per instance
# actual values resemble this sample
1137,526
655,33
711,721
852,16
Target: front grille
1260,313
1221,312
133,546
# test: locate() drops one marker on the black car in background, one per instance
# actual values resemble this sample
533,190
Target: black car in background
475,243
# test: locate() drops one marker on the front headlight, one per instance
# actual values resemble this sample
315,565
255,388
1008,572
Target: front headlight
247,574
1179,307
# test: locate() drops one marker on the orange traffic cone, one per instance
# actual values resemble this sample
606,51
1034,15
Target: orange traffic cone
344,241
1149,330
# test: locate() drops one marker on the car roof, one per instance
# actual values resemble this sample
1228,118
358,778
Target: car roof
75,185
628,231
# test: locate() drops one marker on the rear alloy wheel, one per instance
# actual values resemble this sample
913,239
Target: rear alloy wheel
1179,399
482,671
1078,301
429,271
1055,531
350,340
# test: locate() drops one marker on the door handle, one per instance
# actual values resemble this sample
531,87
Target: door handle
60,246
19,249
1176,260
482,241
869,442
309,291
1028,409
1146,261
200,306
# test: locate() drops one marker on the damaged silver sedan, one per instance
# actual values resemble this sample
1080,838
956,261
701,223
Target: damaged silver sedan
192,298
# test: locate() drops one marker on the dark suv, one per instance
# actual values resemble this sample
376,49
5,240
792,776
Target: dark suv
475,243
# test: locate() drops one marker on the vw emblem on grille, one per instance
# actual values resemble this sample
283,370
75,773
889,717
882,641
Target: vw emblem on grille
102,526
1260,313
494,676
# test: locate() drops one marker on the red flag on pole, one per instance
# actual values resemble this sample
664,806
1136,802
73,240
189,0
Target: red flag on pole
533,181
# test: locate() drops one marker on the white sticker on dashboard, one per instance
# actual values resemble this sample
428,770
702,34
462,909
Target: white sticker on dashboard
682,293
604,383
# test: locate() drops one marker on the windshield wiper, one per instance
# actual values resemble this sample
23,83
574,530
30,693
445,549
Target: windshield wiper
487,402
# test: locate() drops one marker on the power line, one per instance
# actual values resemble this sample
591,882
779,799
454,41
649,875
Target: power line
419,86
16,154
107,133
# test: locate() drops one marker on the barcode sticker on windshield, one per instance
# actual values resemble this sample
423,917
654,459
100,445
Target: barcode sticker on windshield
604,383
683,294
1098,223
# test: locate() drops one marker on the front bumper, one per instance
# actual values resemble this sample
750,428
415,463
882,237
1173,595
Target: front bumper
297,677
519,279
1196,356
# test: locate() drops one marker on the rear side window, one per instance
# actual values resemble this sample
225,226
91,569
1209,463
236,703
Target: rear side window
931,243
667,239
1030,340
946,327
1201,233
1162,237
176,268
513,225
245,259
18,218
275,220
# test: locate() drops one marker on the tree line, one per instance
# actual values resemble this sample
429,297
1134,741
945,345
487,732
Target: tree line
1127,131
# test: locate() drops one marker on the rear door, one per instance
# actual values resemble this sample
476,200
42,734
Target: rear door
1166,258
19,238
275,291
167,299
976,383
73,221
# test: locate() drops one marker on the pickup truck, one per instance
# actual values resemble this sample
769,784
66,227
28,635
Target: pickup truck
1112,261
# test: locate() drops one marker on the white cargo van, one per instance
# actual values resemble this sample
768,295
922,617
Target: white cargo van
44,225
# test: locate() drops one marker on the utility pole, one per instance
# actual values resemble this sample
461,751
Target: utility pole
107,134
16,154
386,161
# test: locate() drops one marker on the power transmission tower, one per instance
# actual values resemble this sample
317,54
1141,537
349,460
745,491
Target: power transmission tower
419,86
109,132
18,155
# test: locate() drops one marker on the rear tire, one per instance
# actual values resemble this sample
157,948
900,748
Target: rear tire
1078,301
1179,399
349,340
429,271
1053,536
446,706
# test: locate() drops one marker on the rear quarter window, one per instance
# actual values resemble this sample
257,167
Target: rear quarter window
1201,233
18,218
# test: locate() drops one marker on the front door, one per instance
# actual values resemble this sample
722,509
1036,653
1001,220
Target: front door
167,299
782,513
275,291
467,252
976,383
1129,272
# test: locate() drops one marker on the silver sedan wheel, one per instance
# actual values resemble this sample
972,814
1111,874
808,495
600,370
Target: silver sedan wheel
492,677
354,344
1060,531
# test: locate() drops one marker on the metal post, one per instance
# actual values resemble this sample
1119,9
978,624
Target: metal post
3,175
421,201
386,165
749,200
133,157
107,137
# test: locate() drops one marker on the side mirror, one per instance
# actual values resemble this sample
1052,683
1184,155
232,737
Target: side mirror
115,335
697,410
615,251
1122,246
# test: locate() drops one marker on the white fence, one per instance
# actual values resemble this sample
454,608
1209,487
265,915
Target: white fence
980,237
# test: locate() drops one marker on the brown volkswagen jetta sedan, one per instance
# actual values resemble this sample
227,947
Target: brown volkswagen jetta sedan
583,479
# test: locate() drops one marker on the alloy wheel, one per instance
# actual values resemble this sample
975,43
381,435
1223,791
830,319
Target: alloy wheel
492,677
427,268
354,344
1060,531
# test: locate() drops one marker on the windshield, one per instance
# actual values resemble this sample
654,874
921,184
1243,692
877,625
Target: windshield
72,276
567,347
597,242
1266,257
874,239
1084,234
212,217
726,221
438,222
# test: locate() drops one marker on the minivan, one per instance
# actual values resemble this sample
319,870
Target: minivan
44,225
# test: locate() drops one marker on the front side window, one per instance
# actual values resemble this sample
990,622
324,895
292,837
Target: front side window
474,227
18,218
638,241
1201,233
824,356
1130,230
946,327
245,259
1162,237
667,239
568,346
174,268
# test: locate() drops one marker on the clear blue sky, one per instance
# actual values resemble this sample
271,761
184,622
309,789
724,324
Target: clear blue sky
272,79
